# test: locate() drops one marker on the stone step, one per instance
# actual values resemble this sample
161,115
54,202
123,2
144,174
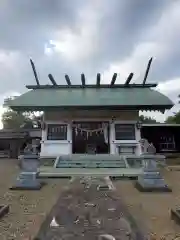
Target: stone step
77,172
91,165
90,161
91,157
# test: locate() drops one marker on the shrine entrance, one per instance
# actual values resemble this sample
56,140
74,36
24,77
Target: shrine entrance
90,138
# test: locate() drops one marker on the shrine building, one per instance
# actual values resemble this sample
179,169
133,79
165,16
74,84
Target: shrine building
91,118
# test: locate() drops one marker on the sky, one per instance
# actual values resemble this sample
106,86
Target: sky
106,36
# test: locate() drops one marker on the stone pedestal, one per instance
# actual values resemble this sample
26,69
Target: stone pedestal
152,160
27,179
151,180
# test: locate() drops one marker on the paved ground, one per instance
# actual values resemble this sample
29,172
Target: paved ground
86,213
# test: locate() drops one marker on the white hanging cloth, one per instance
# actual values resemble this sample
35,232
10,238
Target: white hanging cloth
105,131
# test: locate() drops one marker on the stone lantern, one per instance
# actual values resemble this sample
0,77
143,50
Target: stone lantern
27,178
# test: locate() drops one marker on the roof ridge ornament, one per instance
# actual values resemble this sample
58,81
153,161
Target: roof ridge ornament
98,81
83,79
34,71
68,80
113,79
93,86
147,71
129,79
50,76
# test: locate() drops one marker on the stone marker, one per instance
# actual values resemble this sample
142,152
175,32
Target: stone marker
27,179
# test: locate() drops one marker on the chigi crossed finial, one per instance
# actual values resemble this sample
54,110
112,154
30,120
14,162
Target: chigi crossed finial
98,81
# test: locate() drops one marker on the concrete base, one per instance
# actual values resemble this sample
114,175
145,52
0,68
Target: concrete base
27,181
27,185
151,181
148,188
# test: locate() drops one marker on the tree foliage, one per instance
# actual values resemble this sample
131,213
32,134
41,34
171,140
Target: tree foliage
174,119
145,119
16,120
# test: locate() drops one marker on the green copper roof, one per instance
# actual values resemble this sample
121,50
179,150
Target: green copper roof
122,98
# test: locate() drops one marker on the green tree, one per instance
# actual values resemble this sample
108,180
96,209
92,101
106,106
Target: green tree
16,120
174,119
145,119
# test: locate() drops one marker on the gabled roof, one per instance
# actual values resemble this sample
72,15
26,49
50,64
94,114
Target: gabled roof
84,96
141,98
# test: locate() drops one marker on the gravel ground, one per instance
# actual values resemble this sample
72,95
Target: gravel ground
28,209
153,209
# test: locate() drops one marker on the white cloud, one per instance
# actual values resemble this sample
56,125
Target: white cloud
171,89
80,43
165,29
8,59
135,63
156,41
91,44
